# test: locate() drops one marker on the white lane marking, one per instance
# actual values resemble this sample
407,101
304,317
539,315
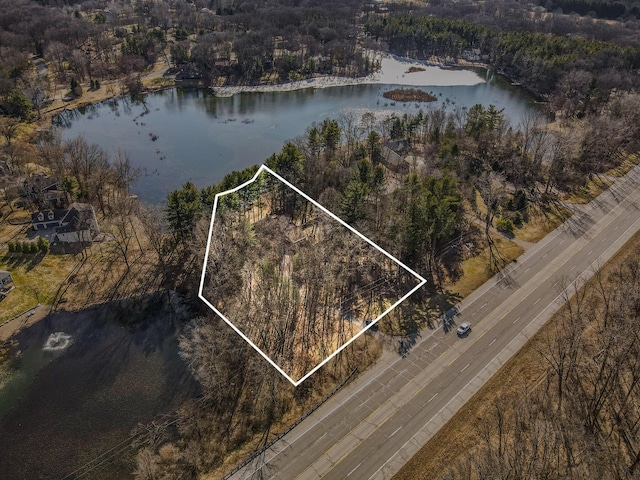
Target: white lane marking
537,300
545,255
402,448
465,367
528,268
617,227
493,341
354,469
516,320
573,268
484,304
369,382
561,241
396,431
434,396
589,252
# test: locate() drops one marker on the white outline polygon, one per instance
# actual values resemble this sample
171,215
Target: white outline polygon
264,168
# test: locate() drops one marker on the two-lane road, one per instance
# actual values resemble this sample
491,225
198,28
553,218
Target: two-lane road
372,426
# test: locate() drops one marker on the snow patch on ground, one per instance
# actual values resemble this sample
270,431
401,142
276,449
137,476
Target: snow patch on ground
393,71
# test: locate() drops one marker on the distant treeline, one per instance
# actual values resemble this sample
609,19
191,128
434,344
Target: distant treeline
537,60
247,42
602,9
208,41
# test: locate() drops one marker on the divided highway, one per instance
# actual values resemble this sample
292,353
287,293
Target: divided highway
371,427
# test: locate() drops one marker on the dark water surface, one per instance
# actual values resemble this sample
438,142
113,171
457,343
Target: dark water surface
178,135
64,408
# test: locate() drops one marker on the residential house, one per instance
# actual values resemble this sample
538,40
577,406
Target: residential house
44,191
44,219
6,283
471,54
394,156
55,198
5,278
78,223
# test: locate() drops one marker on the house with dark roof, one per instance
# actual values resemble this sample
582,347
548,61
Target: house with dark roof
78,223
6,283
394,156
44,191
44,219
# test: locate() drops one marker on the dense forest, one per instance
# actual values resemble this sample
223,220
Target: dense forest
206,43
295,281
460,154
601,9
577,73
516,16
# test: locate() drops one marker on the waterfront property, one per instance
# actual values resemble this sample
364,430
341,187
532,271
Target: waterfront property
200,137
44,191
78,223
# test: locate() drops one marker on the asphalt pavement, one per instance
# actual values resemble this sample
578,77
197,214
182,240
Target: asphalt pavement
376,423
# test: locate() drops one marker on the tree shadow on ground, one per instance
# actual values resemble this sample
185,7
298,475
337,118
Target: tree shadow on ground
551,207
65,248
407,343
404,325
578,223
506,279
441,305
26,261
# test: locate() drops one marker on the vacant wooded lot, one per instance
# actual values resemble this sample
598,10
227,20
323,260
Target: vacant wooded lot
294,280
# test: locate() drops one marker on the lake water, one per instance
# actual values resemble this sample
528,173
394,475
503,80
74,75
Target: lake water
180,135
85,380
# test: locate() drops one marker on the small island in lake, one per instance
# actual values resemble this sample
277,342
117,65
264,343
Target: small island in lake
416,69
409,95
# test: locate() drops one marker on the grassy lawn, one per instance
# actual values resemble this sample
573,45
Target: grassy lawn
10,232
542,220
590,191
625,167
36,279
476,270
160,82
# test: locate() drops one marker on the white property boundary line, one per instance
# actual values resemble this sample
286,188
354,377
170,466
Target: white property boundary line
264,168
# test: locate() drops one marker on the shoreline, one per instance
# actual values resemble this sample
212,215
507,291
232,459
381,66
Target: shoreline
393,71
